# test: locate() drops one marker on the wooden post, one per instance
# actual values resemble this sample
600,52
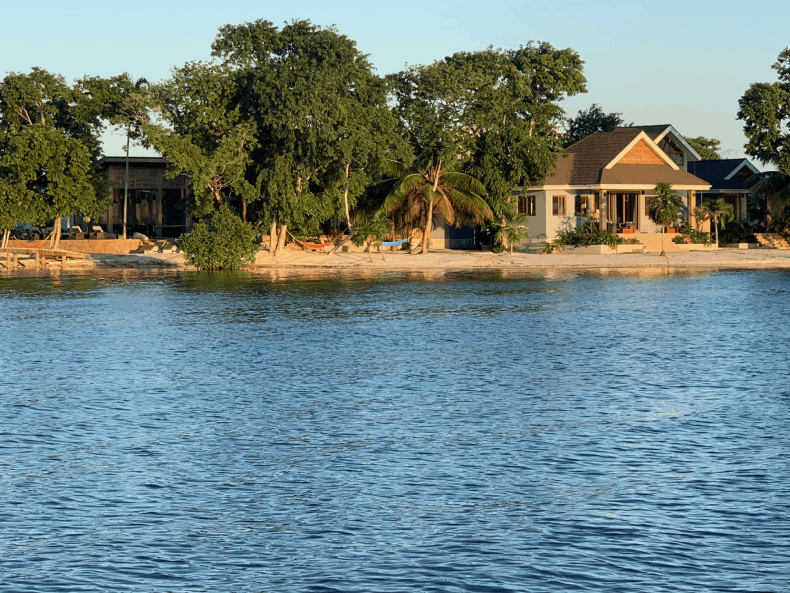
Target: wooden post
603,215
692,203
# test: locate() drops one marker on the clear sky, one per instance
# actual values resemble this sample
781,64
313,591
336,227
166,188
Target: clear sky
684,63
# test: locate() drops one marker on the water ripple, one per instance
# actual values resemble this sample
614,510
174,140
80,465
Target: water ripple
464,432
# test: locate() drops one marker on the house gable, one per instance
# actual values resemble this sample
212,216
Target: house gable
641,154
745,169
641,151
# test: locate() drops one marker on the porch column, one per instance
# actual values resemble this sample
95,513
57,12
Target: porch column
604,218
692,198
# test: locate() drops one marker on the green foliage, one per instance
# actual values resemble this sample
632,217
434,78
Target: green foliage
493,111
586,233
707,148
224,242
203,134
508,232
375,228
591,121
770,197
737,233
689,235
321,121
49,149
718,211
664,207
765,110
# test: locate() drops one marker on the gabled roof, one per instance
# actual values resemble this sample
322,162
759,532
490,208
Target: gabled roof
658,131
595,161
654,131
724,174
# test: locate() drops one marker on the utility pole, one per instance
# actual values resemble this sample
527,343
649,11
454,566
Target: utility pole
126,182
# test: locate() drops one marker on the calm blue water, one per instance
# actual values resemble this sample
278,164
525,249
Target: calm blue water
461,432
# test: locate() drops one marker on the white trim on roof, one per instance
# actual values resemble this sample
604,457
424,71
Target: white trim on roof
642,135
616,187
682,140
745,163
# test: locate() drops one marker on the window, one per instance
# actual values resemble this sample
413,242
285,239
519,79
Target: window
558,205
526,205
671,149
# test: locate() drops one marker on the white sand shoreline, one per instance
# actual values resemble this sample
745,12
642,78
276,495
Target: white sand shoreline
449,260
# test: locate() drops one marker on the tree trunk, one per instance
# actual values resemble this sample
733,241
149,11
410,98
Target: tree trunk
505,238
281,240
244,210
345,199
716,226
426,237
56,229
4,243
273,236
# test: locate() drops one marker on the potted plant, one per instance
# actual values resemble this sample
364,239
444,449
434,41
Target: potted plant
664,208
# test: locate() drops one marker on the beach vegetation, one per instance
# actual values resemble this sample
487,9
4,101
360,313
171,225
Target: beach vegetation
418,197
319,116
587,232
718,211
220,242
50,148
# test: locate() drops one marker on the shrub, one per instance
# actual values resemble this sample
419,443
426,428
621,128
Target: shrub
587,233
224,242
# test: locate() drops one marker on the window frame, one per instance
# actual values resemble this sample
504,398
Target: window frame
556,201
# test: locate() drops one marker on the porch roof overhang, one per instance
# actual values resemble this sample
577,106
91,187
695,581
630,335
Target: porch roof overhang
650,175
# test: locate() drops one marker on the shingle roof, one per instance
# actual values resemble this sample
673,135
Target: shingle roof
653,131
589,156
714,172
648,174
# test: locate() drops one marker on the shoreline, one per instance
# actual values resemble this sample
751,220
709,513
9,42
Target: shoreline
440,260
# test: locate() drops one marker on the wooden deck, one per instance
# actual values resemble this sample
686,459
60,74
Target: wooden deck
39,257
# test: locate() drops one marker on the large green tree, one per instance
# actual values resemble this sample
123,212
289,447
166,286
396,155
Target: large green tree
49,148
204,135
494,113
707,148
521,143
320,114
591,121
765,111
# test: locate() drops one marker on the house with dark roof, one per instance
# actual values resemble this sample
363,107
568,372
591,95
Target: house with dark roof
610,177
727,178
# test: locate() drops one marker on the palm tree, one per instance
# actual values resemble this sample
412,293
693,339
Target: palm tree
718,211
456,197
664,207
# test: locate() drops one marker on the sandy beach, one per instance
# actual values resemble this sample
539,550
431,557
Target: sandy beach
456,260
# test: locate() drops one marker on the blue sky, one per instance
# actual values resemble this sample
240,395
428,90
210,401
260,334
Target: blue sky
684,63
